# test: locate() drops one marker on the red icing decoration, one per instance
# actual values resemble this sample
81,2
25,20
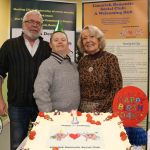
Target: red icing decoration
41,114
88,116
55,148
122,133
123,136
74,136
89,120
92,122
47,117
32,135
79,113
98,123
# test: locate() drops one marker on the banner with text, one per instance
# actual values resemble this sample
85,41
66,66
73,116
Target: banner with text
51,12
125,25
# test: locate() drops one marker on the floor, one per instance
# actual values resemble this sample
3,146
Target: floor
4,138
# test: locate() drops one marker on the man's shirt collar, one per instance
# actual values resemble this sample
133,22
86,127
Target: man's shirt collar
59,58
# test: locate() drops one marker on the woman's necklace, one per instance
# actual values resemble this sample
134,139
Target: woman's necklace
90,69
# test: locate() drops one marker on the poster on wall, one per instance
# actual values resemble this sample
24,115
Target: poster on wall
125,25
51,12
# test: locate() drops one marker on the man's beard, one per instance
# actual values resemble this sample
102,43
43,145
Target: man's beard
31,35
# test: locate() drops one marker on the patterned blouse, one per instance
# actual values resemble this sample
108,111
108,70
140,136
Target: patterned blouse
100,79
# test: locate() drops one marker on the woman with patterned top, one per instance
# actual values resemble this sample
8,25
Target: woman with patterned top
100,75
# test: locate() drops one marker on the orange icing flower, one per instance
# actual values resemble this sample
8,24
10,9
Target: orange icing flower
47,117
123,136
41,114
55,148
79,113
98,123
32,135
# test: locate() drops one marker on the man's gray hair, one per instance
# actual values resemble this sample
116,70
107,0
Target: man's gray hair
36,12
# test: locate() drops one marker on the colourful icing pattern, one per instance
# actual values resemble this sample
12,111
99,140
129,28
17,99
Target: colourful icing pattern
74,136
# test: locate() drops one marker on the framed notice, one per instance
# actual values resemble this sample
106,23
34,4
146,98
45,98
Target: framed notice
52,12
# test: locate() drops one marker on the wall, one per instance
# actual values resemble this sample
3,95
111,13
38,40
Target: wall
5,20
4,34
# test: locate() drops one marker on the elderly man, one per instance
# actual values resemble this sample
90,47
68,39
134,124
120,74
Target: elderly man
21,57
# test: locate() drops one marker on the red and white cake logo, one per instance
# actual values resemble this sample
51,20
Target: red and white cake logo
131,103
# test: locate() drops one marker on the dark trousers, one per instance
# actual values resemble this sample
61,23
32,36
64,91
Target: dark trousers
19,123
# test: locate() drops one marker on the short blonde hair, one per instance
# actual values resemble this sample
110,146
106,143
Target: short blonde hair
96,32
35,12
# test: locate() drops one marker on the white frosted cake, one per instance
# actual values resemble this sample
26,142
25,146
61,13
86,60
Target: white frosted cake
84,131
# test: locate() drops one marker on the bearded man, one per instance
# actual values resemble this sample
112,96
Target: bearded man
20,59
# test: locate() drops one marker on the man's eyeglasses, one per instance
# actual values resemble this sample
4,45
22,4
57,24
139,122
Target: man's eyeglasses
33,22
